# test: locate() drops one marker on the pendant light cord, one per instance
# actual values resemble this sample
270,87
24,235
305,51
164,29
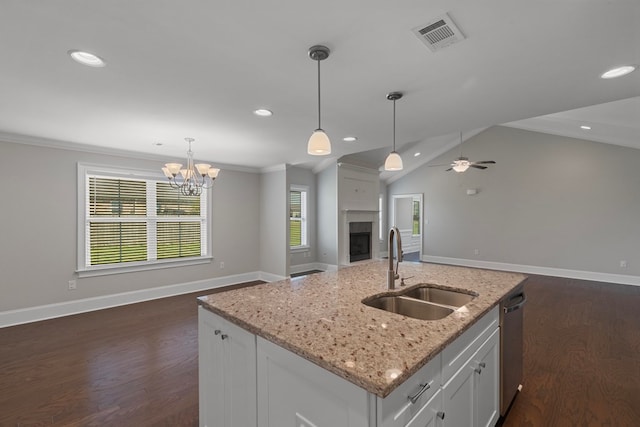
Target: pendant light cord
319,123
394,125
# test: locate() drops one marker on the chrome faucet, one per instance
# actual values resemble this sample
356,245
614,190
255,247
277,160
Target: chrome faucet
393,275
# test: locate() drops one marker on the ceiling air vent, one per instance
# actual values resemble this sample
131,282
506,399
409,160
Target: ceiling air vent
439,33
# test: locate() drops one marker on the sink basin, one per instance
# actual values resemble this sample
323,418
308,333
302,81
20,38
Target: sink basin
439,296
409,307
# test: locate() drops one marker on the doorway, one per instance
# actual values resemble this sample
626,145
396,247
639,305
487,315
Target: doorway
406,214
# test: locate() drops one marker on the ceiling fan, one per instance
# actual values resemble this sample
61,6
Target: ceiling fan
462,163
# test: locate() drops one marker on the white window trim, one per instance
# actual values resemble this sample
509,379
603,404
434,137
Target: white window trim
305,218
101,270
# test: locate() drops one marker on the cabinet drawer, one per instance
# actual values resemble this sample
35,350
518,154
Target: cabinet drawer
428,414
396,409
456,354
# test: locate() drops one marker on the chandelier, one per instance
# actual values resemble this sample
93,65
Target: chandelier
192,179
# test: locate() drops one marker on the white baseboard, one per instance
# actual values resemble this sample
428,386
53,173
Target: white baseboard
269,277
300,268
621,279
67,308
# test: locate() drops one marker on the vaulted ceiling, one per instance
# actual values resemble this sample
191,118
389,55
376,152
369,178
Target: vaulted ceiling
198,69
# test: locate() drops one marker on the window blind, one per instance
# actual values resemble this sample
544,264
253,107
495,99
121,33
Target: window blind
140,221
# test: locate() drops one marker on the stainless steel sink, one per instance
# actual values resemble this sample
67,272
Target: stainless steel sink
439,296
409,307
424,302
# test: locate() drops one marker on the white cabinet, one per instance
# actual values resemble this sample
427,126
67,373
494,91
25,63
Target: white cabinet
458,398
430,415
487,382
402,406
247,381
227,377
471,394
293,392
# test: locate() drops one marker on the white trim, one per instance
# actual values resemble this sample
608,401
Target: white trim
326,267
621,279
67,308
57,144
269,277
274,168
301,268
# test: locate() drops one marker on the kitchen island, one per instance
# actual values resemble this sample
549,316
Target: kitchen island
314,331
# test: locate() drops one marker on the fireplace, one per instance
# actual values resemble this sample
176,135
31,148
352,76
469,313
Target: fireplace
359,241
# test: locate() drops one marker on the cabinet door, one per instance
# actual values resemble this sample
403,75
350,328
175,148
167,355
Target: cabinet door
458,398
211,370
430,414
293,392
239,377
227,377
487,381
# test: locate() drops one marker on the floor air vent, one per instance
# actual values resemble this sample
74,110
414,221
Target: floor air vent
439,33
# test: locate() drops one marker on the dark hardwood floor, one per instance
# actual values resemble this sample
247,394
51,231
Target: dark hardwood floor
137,365
581,355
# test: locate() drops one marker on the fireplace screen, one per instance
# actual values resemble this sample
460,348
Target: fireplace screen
359,241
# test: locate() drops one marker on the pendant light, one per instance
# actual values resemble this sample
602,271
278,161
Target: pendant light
319,144
394,161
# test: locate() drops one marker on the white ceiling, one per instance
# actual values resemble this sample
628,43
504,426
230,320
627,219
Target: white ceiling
198,69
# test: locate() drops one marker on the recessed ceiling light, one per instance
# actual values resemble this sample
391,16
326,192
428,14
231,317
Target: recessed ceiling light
585,127
86,58
349,139
416,154
618,72
263,112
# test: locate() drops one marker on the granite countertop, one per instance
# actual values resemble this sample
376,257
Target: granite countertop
321,318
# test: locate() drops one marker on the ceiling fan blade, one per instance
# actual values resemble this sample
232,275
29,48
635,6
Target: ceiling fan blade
478,167
437,166
447,170
485,162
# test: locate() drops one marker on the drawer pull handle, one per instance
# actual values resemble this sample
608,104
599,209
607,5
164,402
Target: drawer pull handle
440,415
423,387
224,336
217,332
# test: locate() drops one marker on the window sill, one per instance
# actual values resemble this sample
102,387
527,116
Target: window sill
155,265
300,249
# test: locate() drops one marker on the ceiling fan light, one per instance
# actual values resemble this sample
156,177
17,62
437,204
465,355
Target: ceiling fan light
319,144
461,167
393,162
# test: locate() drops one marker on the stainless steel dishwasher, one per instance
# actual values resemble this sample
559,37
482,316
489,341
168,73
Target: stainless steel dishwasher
511,344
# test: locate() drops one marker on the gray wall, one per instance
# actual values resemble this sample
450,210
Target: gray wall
274,223
305,177
404,213
550,201
38,229
327,181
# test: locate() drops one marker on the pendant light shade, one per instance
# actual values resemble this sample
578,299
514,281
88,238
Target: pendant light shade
394,161
319,144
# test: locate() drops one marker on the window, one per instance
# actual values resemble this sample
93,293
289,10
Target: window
380,229
298,217
416,217
131,221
